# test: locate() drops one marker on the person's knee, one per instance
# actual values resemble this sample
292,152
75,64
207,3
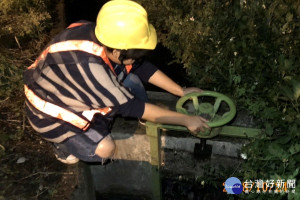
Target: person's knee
106,147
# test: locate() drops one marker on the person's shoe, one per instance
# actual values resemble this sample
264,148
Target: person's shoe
64,157
69,160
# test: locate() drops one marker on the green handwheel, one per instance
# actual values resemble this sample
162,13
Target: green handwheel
216,120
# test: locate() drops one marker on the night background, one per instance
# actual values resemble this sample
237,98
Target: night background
248,50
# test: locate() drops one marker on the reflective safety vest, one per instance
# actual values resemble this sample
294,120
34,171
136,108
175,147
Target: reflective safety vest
77,45
60,112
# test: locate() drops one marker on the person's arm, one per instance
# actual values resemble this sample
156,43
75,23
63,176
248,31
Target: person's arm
162,81
157,114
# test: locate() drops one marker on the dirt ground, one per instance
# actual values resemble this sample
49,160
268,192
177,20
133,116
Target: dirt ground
28,167
29,170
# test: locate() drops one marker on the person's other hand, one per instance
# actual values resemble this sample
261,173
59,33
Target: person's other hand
191,89
196,124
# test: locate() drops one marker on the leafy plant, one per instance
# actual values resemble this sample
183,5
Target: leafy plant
22,35
22,20
249,50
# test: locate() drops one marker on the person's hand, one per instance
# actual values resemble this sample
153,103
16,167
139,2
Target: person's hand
190,90
156,114
195,124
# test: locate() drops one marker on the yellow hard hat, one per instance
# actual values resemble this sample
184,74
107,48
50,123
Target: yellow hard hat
123,24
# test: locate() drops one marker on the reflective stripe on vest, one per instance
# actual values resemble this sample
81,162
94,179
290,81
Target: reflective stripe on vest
77,45
54,110
61,113
57,111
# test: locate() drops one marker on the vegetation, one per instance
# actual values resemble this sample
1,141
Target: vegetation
23,26
250,51
24,173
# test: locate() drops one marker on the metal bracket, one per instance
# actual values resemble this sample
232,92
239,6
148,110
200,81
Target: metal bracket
153,131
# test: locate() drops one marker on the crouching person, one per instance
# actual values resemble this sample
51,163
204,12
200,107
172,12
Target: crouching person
92,72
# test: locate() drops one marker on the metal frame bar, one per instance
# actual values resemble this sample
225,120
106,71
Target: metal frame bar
153,132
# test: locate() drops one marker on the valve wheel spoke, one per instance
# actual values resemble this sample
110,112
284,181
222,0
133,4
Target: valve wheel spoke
208,108
196,105
216,106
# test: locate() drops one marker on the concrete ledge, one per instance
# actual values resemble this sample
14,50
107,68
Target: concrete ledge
161,96
85,189
123,178
131,173
223,148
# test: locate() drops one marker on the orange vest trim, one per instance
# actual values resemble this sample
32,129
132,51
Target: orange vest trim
77,45
128,68
42,56
75,25
61,113
55,111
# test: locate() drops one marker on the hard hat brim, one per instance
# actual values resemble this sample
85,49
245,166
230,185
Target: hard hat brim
152,42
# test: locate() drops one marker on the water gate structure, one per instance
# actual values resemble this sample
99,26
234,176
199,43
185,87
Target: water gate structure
146,153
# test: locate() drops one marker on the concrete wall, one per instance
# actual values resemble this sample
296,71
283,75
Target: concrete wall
129,176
